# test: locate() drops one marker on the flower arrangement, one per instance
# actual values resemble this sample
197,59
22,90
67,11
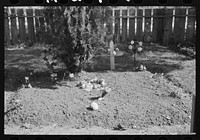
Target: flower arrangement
134,48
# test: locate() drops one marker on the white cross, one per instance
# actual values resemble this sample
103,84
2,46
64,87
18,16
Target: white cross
112,56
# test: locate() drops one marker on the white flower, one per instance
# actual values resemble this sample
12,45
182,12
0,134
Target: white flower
114,52
140,43
53,74
26,78
132,42
29,85
130,47
139,49
117,49
71,75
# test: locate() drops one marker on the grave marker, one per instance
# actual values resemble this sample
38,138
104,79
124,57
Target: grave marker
112,56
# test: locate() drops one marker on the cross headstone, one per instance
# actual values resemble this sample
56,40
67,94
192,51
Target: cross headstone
112,56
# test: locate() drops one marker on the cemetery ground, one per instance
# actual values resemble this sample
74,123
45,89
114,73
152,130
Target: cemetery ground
139,102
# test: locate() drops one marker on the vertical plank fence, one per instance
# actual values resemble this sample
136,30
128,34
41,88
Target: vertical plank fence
131,21
158,30
117,26
179,26
30,22
167,27
190,32
147,27
132,28
14,30
22,30
37,25
42,26
124,26
6,28
139,33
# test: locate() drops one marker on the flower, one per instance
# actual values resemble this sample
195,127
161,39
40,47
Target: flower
114,52
117,49
140,43
130,47
26,78
140,49
71,75
132,42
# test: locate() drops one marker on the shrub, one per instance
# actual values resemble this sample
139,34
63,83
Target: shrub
74,34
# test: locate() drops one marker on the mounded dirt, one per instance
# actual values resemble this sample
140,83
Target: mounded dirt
137,100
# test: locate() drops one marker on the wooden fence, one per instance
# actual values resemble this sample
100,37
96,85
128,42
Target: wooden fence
147,25
21,25
153,25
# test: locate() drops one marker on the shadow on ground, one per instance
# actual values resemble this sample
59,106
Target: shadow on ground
15,78
157,59
19,63
125,63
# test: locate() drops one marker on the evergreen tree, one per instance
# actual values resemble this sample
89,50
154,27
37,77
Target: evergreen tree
74,33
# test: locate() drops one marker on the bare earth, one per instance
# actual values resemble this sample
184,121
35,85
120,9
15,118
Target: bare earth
137,104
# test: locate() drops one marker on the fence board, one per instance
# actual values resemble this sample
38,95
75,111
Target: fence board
14,30
37,24
167,27
124,26
21,20
117,27
154,35
6,28
42,26
190,32
158,29
179,26
147,27
30,22
139,32
132,25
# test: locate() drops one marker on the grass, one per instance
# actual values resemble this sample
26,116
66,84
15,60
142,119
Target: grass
19,63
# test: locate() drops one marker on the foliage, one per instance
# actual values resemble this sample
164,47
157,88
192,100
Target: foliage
74,34
187,48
